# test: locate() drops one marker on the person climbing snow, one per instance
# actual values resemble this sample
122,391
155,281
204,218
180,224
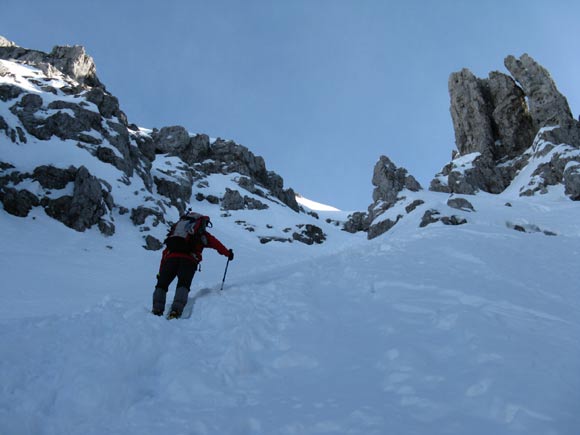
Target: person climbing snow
184,243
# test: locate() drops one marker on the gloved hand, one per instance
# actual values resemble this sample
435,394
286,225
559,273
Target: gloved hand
231,255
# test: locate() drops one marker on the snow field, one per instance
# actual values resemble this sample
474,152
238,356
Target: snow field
449,330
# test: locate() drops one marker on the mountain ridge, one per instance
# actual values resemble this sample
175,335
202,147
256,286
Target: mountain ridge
503,126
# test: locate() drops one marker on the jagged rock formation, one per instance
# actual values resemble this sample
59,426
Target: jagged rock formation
503,125
60,101
392,185
72,61
546,104
496,122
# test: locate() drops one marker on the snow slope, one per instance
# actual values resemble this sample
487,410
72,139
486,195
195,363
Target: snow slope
440,330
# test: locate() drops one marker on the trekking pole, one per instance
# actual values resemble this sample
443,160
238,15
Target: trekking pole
225,272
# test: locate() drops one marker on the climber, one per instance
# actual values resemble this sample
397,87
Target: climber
184,243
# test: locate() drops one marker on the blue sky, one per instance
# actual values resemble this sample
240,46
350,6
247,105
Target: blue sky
319,88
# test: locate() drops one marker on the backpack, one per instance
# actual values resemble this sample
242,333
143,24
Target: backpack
181,234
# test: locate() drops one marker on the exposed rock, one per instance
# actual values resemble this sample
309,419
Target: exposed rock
411,207
9,92
170,139
145,145
8,175
557,164
546,104
309,235
572,181
197,150
140,214
460,204
389,181
382,227
430,217
264,240
232,200
254,204
247,184
70,61
529,228
356,222
466,175
18,202
212,199
567,132
470,112
491,118
227,157
511,121
88,203
152,244
107,104
76,63
177,188
60,124
51,177
5,42
453,220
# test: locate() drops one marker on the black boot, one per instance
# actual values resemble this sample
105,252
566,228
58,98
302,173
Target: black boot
179,302
159,296
174,315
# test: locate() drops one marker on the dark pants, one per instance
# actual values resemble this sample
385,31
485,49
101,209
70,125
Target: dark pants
184,270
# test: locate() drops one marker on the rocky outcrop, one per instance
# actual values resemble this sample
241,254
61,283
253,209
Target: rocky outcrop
495,123
358,221
390,180
309,234
552,164
460,204
18,202
222,157
5,42
88,205
54,178
572,180
432,216
546,104
71,61
468,174
390,183
470,112
228,157
233,200
511,122
72,196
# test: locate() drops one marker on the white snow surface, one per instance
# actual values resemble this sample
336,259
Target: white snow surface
313,205
439,330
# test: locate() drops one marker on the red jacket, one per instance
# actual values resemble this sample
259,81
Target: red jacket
197,245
